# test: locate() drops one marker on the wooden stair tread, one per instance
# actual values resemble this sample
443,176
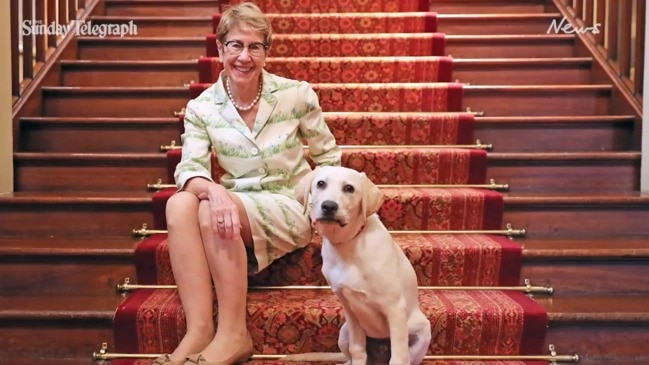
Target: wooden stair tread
67,246
488,16
586,247
75,197
522,61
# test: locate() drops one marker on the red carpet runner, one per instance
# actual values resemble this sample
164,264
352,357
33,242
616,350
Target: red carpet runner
385,82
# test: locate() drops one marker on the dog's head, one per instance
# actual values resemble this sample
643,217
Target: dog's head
340,198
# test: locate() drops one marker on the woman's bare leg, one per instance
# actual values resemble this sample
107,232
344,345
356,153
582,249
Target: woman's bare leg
191,273
229,266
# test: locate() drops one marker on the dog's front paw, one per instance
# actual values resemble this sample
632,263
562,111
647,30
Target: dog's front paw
400,360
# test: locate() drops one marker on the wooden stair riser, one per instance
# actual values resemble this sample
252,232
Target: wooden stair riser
539,220
589,276
74,219
457,24
89,174
61,276
133,173
54,338
479,47
537,174
166,8
168,49
565,73
193,47
494,101
611,342
533,136
545,102
578,219
116,103
131,75
98,137
522,136
488,7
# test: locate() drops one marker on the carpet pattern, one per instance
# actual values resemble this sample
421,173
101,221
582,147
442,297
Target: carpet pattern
346,70
357,23
339,6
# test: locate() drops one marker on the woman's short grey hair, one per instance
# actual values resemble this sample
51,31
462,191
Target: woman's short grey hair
244,15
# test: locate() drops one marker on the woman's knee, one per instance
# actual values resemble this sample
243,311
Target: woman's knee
204,216
180,206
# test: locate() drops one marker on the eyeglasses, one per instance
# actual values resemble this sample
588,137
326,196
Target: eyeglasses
255,49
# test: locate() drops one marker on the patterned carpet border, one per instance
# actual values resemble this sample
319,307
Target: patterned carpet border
343,6
277,362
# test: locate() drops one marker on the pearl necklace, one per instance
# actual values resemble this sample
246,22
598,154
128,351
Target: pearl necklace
242,108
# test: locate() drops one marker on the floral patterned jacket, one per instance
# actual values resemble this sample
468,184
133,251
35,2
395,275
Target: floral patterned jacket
271,157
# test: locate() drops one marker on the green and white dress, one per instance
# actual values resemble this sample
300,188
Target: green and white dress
263,165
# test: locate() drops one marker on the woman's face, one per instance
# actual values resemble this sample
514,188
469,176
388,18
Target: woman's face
243,69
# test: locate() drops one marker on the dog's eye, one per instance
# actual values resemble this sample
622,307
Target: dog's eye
348,189
321,184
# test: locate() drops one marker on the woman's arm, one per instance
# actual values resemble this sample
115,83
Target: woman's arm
322,143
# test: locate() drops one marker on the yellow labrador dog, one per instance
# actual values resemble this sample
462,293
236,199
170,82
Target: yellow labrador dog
367,270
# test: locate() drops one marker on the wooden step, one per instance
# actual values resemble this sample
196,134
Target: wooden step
511,100
128,73
489,6
141,48
596,327
161,8
530,71
117,214
44,326
85,135
578,214
588,266
539,172
613,328
541,100
522,71
566,171
549,134
74,214
510,46
457,46
495,23
452,24
506,134
114,102
58,267
87,172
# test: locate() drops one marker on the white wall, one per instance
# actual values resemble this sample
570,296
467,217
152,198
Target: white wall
6,154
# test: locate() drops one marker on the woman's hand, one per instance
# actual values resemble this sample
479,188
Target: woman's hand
224,213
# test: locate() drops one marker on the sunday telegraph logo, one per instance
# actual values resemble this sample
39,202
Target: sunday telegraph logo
80,28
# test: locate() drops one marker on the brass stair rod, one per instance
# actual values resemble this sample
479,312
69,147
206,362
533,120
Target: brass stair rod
477,145
509,232
553,357
528,288
492,185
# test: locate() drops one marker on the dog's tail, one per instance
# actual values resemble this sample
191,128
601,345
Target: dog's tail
316,356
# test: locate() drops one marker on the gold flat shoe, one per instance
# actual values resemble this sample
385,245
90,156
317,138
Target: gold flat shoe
242,355
166,360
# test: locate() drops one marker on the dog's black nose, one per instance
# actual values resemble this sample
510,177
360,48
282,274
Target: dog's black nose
329,207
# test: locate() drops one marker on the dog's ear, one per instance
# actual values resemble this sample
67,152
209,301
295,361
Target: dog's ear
303,189
372,198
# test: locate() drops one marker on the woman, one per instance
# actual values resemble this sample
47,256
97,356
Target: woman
256,123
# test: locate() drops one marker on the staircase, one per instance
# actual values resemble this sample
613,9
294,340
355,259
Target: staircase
563,139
